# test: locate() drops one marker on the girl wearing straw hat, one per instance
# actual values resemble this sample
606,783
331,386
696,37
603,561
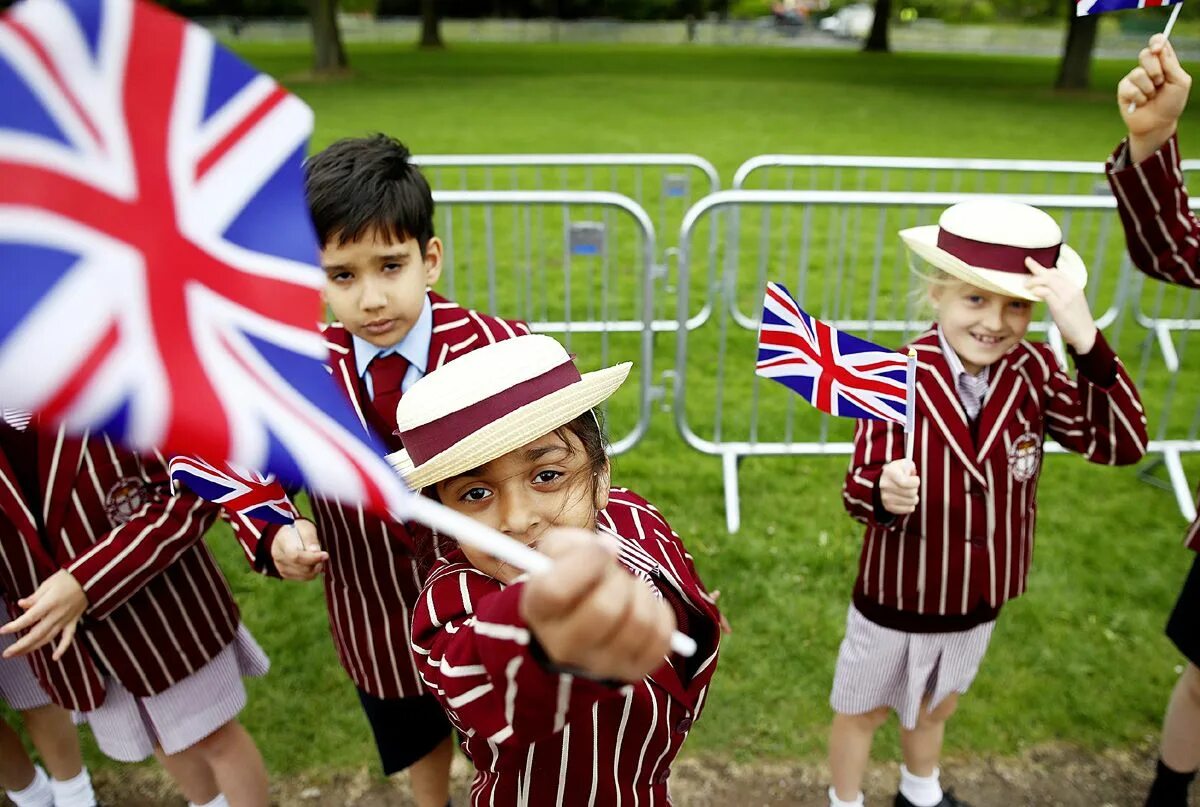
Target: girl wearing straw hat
950,526
560,684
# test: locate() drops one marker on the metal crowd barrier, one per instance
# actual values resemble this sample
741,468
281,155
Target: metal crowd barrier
593,289
859,279
964,175
664,185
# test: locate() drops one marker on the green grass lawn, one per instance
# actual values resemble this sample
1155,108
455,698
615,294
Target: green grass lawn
1080,658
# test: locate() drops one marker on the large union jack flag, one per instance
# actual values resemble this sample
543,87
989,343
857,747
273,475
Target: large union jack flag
156,255
834,371
1085,7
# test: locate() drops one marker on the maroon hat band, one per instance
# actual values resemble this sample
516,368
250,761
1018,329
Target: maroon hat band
430,439
1001,257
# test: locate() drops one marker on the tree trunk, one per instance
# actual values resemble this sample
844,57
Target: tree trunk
431,33
878,39
552,11
328,54
1075,69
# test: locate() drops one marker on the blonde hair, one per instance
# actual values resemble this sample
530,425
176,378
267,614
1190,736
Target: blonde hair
932,278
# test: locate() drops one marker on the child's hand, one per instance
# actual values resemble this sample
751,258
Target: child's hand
1068,306
1152,97
590,614
55,608
297,551
899,487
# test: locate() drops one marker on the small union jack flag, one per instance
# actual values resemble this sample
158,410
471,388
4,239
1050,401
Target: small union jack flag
248,493
156,252
1085,7
834,371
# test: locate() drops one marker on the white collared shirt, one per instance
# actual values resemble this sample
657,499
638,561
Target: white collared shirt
971,389
414,347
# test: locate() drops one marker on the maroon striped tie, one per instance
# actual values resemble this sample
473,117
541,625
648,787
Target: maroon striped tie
387,373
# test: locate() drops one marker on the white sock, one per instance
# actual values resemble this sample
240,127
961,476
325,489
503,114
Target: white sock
37,794
219,801
834,801
75,792
923,791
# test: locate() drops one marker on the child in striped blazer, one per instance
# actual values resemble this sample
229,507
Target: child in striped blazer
373,212
560,684
121,610
950,530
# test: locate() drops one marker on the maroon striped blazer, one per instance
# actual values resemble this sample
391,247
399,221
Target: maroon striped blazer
968,544
541,737
158,606
375,568
1162,234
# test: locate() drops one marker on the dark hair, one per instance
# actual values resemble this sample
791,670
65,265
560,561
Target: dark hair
363,184
588,431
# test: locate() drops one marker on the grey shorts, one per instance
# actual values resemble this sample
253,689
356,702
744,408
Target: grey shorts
878,666
19,687
127,728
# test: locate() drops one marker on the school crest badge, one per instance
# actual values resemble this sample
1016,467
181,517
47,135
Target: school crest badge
125,499
1024,456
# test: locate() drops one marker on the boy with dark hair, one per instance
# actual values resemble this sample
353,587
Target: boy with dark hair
373,211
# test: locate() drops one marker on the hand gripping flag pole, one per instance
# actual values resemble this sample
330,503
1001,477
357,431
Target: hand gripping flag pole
1166,35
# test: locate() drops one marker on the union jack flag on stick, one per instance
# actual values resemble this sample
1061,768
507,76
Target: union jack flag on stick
837,373
1085,7
245,492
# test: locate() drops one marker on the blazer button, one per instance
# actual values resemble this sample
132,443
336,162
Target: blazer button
979,540
975,491
683,725
663,776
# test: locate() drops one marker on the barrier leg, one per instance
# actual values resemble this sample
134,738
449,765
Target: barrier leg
1179,483
1167,345
733,505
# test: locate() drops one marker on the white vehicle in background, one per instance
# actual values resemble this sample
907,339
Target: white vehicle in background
853,21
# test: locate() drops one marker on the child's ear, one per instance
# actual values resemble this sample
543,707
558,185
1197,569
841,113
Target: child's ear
433,261
601,488
934,294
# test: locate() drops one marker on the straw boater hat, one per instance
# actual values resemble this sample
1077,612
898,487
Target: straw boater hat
985,242
491,401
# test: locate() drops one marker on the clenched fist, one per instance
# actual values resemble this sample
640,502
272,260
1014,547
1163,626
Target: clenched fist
589,613
899,487
297,551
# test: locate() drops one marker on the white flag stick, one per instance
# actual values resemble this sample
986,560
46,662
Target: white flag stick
1171,22
1166,35
910,403
484,539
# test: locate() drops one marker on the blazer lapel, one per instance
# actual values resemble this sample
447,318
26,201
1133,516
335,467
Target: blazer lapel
451,336
938,398
1006,392
344,369
638,559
